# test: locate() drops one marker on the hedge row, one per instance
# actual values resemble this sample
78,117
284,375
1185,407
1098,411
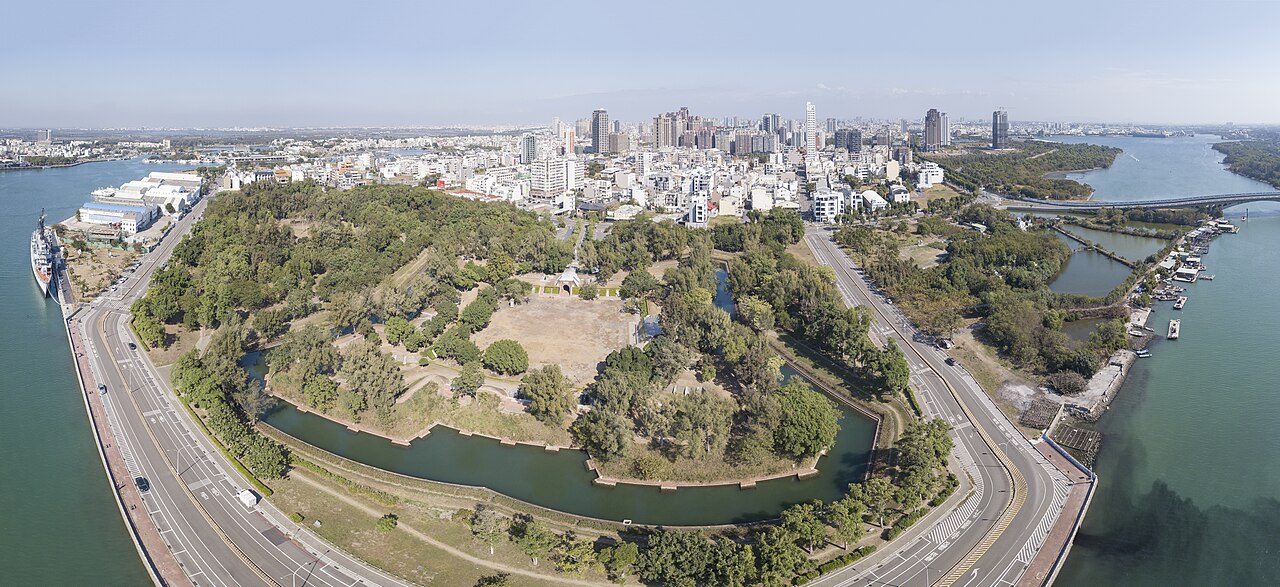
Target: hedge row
904,522
839,562
951,484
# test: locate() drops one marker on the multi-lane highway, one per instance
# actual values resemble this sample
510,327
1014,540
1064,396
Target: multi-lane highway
1018,495
217,539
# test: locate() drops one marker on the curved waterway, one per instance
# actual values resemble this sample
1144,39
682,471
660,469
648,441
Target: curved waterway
561,481
1189,467
59,524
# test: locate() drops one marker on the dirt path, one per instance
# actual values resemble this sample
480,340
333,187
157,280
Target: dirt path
302,476
1042,154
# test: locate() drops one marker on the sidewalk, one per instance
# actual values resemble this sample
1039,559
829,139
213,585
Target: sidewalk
1048,561
152,548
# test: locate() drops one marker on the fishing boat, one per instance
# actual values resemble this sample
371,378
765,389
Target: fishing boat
1175,326
1182,301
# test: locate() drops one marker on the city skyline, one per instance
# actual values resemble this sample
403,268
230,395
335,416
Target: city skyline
470,66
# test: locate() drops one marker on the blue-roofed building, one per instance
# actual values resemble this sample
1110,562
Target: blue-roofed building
129,218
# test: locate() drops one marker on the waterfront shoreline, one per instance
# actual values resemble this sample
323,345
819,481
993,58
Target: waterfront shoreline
161,566
799,473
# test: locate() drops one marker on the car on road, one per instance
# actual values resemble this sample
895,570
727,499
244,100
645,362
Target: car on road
102,389
133,347
142,484
951,361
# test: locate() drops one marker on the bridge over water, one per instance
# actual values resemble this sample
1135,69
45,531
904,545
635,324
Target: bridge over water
1223,200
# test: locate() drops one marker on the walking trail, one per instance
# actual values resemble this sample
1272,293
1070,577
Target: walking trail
295,474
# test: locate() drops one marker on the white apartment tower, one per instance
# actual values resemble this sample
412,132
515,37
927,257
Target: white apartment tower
548,179
810,131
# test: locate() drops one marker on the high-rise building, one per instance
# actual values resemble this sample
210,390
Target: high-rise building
810,131
849,139
831,126
933,129
946,130
1000,129
528,149
548,179
44,136
600,131
769,123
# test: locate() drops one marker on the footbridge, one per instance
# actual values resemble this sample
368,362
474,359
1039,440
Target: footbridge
1219,200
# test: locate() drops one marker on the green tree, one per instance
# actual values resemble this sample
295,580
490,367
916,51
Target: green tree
845,517
730,564
894,369
589,291
488,525
499,268
387,522
573,556
876,493
320,392
778,557
533,538
803,523
807,423
506,357
638,284
702,421
619,559
547,390
468,381
497,580
602,433
397,330
756,313
674,558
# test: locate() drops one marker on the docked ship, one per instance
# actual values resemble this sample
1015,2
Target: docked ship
43,256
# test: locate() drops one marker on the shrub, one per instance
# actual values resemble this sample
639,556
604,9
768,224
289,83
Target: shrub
296,517
387,523
1067,382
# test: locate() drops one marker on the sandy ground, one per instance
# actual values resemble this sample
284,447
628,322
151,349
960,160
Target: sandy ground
937,192
571,332
922,253
94,269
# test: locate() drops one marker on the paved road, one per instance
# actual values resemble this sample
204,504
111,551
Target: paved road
192,502
1018,495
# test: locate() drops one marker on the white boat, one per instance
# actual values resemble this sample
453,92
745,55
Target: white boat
43,259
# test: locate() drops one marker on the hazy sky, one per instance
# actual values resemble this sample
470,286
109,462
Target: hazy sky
356,63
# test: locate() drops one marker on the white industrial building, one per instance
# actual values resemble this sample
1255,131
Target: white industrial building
873,201
931,174
130,219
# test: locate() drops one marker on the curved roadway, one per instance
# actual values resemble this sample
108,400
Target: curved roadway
192,497
1018,495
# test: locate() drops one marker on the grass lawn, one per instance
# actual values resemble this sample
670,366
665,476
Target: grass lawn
399,551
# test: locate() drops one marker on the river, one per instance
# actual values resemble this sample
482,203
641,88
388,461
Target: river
1189,468
60,524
